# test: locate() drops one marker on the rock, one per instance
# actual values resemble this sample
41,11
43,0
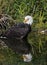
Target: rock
6,22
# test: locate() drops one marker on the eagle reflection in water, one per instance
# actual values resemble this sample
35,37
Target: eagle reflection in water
21,47
16,38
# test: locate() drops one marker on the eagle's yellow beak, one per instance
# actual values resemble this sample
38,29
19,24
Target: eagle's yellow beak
25,20
24,57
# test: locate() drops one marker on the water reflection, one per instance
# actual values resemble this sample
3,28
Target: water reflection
40,60
20,46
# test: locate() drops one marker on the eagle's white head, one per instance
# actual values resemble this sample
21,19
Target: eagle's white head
27,57
28,20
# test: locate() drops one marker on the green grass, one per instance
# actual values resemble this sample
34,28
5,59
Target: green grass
18,9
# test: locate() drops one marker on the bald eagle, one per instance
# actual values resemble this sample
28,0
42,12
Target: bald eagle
16,38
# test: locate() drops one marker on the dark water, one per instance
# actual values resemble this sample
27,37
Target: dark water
9,57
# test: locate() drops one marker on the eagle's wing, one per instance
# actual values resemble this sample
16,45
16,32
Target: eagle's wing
19,30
